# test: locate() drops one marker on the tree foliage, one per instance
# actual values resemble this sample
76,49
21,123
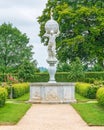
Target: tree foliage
76,70
82,29
14,49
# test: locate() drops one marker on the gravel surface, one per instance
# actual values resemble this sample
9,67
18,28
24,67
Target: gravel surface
51,117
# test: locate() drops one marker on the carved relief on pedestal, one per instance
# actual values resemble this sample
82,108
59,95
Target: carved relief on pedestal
51,95
67,93
36,95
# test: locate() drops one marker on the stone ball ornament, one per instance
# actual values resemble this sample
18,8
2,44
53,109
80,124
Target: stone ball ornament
51,27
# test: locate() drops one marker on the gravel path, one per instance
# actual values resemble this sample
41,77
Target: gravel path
51,117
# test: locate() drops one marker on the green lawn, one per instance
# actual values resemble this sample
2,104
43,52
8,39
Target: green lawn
11,113
25,97
80,98
14,109
92,113
89,110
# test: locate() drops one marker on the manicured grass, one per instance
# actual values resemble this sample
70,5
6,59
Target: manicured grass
92,113
11,113
25,97
80,98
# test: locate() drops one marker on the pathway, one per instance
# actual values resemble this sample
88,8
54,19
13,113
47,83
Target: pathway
51,117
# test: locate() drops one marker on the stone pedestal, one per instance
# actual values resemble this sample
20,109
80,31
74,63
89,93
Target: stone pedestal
52,70
52,92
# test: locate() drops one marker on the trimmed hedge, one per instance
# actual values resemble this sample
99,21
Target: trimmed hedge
100,96
3,96
90,77
62,77
19,89
87,90
44,77
95,75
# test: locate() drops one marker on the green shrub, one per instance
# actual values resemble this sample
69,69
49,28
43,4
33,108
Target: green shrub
91,93
41,77
87,90
95,75
100,96
20,89
82,88
76,71
3,96
62,77
89,80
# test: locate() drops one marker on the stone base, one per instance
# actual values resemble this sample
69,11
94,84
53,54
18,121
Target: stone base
52,93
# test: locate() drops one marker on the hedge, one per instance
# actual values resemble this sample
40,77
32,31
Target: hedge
95,75
19,89
87,90
61,77
90,77
3,96
100,96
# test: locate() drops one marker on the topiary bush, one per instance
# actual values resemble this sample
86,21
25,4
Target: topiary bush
100,96
20,89
87,90
3,96
92,90
82,88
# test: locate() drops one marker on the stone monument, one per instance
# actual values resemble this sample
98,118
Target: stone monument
52,92
52,31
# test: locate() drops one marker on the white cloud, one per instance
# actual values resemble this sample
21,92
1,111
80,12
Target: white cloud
23,14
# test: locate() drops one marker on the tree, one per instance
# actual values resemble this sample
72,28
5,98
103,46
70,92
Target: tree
14,48
76,71
27,70
82,29
63,67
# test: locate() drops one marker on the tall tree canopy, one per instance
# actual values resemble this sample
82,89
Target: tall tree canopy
82,29
14,48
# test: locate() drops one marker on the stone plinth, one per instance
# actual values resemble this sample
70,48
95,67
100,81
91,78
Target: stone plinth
52,92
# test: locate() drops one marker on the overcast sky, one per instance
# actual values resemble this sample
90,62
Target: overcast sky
22,14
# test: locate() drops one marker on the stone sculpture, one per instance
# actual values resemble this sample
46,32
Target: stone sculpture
52,31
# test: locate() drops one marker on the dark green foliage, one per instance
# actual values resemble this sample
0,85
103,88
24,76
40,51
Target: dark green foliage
76,71
81,29
90,77
20,89
63,67
63,77
41,77
95,75
26,71
91,93
15,51
100,96
3,96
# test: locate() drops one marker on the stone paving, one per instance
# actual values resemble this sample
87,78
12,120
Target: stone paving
51,117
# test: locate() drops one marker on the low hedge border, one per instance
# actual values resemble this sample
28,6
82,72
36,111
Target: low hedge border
100,96
3,96
87,90
19,89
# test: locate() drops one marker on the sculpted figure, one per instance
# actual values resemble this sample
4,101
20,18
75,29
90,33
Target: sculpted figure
51,45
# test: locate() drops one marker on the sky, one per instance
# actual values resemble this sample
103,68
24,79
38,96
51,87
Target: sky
23,15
